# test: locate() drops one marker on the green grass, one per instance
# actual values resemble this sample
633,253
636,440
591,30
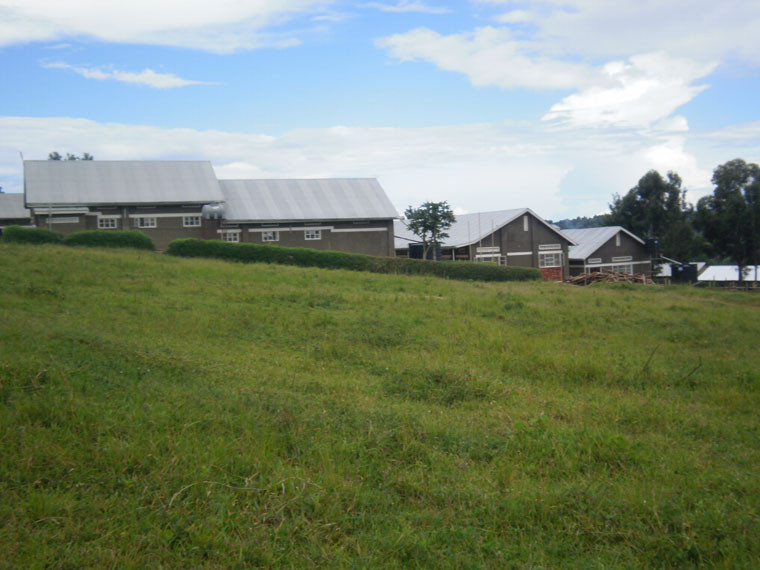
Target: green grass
167,412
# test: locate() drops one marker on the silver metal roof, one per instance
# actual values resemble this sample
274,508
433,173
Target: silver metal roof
121,182
12,206
591,239
729,273
470,228
305,199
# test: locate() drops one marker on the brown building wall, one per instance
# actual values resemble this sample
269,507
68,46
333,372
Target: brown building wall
609,250
371,238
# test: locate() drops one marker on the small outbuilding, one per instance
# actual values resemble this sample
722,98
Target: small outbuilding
609,248
13,212
517,237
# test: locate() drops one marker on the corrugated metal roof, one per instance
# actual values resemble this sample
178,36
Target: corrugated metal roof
729,273
123,182
469,228
591,239
305,199
12,206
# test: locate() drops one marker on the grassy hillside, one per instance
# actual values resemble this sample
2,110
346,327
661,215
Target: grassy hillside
156,411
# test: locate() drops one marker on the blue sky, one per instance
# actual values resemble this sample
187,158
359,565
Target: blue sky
488,104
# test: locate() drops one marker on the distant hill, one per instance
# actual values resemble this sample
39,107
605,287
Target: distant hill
580,222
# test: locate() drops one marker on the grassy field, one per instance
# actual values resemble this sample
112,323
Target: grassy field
162,412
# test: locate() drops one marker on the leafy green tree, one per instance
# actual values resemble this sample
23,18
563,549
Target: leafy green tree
657,207
429,222
730,218
55,155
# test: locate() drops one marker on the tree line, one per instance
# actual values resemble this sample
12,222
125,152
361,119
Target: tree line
723,227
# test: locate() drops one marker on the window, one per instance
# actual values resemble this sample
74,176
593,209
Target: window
146,222
62,220
312,234
622,268
525,223
107,223
550,259
622,258
617,239
593,260
191,221
271,235
229,236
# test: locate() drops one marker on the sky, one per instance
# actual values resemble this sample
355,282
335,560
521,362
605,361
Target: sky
554,105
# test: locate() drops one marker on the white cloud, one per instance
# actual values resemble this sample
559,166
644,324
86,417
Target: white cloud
646,90
146,77
476,167
489,56
403,6
219,26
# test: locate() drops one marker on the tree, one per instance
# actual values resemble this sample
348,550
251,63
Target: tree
730,218
55,155
429,222
657,207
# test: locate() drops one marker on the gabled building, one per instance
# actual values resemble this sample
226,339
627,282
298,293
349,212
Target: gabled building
510,237
13,212
609,248
343,214
161,198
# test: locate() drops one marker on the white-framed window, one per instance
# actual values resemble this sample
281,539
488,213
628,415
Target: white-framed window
108,223
550,259
191,221
594,260
525,223
622,258
627,268
229,236
147,222
617,239
271,235
64,220
312,234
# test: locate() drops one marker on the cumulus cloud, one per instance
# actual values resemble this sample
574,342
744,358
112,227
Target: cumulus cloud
475,167
489,56
146,77
219,26
636,94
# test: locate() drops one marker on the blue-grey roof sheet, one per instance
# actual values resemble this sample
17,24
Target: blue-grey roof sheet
305,199
12,207
121,182
468,228
591,239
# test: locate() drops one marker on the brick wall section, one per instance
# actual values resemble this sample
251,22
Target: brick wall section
552,273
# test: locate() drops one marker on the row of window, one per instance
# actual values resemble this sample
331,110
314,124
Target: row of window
147,222
269,236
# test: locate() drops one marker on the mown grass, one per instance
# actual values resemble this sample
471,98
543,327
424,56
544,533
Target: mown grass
164,412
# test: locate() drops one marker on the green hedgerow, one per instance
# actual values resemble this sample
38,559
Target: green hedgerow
18,234
111,238
304,257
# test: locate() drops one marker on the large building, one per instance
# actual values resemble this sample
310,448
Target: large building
165,200
510,237
343,214
609,248
161,198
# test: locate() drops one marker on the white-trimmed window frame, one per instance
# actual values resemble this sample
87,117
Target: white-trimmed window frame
108,223
232,236
193,221
622,268
312,235
146,222
544,256
269,236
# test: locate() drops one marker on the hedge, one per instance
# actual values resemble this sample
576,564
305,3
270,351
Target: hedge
251,252
18,234
110,238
